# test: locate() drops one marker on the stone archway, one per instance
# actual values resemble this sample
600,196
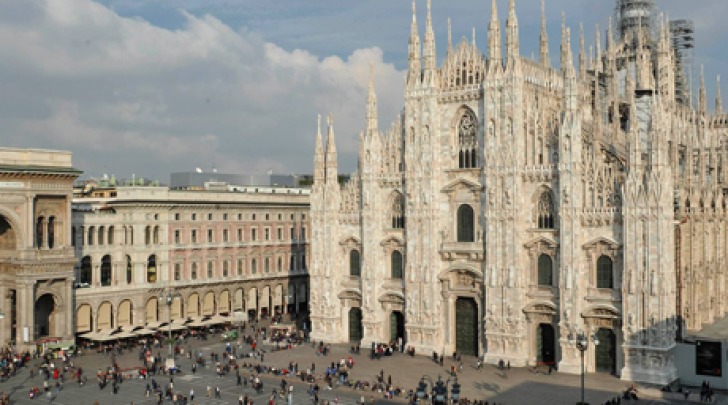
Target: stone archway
193,305
84,318
208,304
224,305
125,313
8,237
43,316
105,317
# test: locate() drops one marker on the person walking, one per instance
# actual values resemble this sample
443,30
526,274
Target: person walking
192,395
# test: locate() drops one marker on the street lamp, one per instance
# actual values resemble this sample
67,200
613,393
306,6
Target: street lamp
439,390
168,297
582,344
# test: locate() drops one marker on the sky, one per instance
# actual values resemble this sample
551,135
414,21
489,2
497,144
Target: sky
150,87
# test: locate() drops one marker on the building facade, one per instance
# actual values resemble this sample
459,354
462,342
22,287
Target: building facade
217,254
36,188
514,205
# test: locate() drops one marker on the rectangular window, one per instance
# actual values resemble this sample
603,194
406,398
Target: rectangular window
193,236
240,267
209,217
210,269
176,217
240,234
209,236
254,234
176,236
303,233
267,233
224,235
280,233
303,262
224,217
293,233
194,217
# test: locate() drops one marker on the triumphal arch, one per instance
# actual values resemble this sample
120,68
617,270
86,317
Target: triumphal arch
36,255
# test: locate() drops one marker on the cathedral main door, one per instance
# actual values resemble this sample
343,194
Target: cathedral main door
546,344
466,326
606,351
396,326
355,325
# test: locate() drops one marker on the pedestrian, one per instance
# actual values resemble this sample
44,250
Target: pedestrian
218,394
192,395
209,391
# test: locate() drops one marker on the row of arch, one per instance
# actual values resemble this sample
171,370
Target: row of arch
45,232
396,266
256,301
103,235
604,271
106,274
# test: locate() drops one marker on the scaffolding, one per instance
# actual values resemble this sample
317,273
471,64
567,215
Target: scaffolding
682,33
633,15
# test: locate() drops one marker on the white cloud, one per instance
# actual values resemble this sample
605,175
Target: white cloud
126,96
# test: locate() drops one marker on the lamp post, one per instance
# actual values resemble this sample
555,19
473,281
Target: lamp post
582,344
168,297
439,388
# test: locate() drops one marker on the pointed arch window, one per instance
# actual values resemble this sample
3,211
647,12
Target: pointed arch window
468,141
545,211
466,220
129,273
354,263
39,232
398,212
152,269
605,278
85,276
545,271
397,264
105,270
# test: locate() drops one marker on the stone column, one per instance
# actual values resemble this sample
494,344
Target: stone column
70,310
24,311
5,321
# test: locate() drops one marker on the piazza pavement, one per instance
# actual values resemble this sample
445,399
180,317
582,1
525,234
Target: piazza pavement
506,387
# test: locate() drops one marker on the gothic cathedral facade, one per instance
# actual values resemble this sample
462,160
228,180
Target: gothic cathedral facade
514,205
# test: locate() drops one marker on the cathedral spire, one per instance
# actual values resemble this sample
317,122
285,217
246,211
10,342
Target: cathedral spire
598,40
415,65
319,163
610,36
543,56
494,35
582,52
512,40
563,41
429,54
332,172
449,36
702,95
718,99
372,119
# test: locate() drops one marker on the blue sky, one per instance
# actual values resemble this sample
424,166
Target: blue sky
148,87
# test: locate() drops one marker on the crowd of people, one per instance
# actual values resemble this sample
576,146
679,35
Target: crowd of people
244,362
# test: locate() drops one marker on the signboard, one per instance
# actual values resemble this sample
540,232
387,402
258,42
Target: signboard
708,359
11,184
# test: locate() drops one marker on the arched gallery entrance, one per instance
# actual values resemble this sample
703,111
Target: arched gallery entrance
466,326
44,307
